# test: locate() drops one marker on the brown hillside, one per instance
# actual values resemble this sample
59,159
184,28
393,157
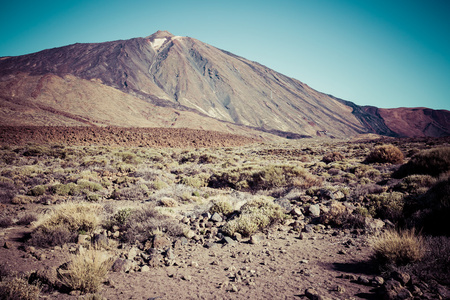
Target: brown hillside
117,136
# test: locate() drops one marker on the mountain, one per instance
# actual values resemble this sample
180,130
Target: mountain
170,81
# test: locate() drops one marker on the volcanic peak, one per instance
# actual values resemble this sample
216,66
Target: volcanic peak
160,34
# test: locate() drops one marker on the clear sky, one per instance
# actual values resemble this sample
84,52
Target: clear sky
385,53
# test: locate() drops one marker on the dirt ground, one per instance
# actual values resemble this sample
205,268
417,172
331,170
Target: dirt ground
277,264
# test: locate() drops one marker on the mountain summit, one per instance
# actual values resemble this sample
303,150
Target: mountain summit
163,74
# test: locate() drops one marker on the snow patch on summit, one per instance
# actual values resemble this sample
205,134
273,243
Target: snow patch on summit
157,43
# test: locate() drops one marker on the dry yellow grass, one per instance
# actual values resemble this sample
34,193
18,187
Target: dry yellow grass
86,270
398,247
83,216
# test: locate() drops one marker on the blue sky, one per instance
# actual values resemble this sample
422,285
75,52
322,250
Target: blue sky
385,53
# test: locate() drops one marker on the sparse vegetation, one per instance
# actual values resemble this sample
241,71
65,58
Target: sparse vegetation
125,199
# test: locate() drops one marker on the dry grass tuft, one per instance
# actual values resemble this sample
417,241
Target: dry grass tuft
398,247
86,270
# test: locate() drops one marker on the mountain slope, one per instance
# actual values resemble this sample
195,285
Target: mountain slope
187,75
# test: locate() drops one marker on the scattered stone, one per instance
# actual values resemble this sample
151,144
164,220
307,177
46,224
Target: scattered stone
390,289
304,261
238,236
404,293
169,254
401,277
314,210
228,240
340,289
211,245
193,264
132,253
351,277
82,238
187,277
363,280
312,294
122,265
308,228
216,217
296,212
234,288
378,281
145,268
257,238
8,245
189,234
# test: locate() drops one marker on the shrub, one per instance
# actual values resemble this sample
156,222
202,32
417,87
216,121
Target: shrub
27,219
159,185
122,215
255,215
431,210
195,182
416,184
168,202
64,222
387,205
398,248
385,154
50,237
222,207
332,157
144,223
131,193
430,162
268,177
435,264
89,185
5,221
18,289
38,190
86,270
